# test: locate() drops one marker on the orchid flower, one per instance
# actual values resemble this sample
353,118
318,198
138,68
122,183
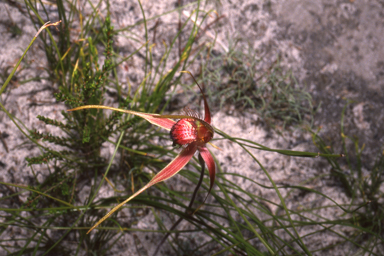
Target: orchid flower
190,131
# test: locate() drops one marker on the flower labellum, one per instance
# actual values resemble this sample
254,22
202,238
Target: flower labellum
190,131
187,131
184,132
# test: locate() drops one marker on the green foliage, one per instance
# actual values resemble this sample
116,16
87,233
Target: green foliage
60,206
362,185
74,68
43,158
86,87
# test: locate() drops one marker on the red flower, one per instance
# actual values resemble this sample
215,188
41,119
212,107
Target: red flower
190,131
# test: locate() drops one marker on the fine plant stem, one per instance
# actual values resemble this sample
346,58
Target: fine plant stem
301,244
48,24
107,170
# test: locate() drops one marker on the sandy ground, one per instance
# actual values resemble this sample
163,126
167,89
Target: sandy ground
334,48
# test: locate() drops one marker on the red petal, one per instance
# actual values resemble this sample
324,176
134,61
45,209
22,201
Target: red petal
207,115
171,169
206,155
176,165
159,120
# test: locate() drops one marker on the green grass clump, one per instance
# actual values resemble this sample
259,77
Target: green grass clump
234,78
86,131
363,186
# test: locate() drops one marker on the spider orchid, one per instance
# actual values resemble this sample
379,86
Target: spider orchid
190,131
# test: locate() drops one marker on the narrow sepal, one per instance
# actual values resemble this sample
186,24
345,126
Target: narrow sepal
207,112
208,159
171,169
176,165
156,119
